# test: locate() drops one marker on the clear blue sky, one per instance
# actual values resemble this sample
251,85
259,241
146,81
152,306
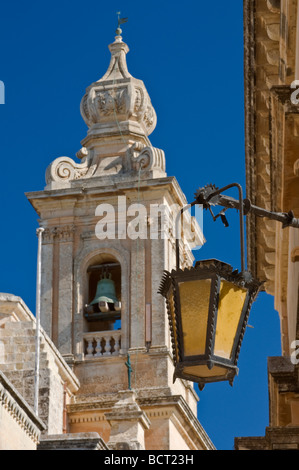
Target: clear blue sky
190,57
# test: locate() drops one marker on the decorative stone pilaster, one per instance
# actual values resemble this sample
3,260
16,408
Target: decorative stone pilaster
128,423
57,284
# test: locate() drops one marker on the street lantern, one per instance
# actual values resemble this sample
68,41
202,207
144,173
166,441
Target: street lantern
208,307
208,304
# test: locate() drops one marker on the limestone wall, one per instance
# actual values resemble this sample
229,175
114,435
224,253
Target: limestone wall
17,361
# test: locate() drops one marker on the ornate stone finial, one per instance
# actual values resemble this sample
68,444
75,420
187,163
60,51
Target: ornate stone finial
118,100
120,116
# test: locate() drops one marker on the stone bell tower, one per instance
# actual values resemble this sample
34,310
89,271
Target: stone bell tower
109,234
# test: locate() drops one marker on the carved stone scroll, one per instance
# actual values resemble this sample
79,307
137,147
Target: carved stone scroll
149,158
66,169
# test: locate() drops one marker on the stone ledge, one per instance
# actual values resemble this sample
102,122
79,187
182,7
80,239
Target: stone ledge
276,438
280,365
177,405
18,408
76,441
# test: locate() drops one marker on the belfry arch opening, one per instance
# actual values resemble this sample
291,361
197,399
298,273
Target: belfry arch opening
102,310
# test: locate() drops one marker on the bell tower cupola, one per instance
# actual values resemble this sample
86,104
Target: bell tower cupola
118,99
120,116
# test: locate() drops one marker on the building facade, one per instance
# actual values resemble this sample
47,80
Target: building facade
272,143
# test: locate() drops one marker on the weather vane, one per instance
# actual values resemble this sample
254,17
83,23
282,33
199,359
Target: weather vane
119,22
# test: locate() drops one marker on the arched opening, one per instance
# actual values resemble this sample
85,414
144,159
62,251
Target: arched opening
102,310
103,324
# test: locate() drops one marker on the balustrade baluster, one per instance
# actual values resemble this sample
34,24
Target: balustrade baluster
89,348
107,346
98,347
116,345
102,344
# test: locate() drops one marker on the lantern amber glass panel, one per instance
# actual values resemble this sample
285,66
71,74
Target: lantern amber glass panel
195,299
208,307
230,307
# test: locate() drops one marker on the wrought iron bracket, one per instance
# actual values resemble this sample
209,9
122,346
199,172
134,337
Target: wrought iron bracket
210,195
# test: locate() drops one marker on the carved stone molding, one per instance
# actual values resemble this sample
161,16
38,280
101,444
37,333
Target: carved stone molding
65,169
262,54
64,233
19,410
295,255
273,5
284,94
149,158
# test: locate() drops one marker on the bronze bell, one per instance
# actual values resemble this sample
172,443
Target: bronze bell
105,291
105,297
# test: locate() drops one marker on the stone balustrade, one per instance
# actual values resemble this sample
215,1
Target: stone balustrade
102,343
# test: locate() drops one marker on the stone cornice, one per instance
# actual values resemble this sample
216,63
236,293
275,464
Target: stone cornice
21,412
178,406
103,185
283,93
276,438
74,441
155,405
16,307
47,199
